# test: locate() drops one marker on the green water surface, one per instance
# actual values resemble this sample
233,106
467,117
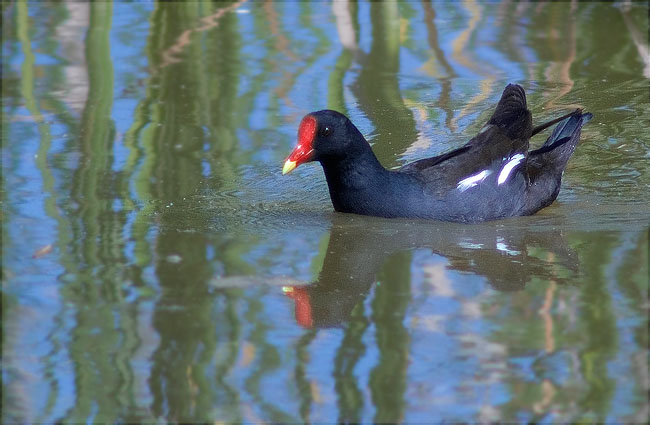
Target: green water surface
156,265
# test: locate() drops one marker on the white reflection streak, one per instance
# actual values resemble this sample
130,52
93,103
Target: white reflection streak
341,10
70,35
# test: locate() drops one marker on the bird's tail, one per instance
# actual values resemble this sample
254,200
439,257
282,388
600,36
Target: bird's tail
546,164
560,145
512,114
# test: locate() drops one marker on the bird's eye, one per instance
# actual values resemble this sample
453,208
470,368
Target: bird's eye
326,131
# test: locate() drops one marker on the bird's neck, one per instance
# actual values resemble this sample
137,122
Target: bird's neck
355,183
353,172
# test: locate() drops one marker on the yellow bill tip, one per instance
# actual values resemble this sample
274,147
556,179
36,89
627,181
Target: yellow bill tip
288,167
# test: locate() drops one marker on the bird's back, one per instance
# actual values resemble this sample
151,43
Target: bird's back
494,175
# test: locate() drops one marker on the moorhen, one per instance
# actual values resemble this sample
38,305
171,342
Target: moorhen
492,176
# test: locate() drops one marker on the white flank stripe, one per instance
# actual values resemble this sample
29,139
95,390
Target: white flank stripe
503,247
507,169
472,181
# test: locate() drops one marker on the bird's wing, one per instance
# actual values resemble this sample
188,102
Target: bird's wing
503,137
487,151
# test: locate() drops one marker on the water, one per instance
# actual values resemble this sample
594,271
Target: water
158,267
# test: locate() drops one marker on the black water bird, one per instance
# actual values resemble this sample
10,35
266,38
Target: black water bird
492,176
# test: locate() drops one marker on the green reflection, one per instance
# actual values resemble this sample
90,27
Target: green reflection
350,395
447,73
179,95
598,325
388,378
348,23
101,379
303,384
377,86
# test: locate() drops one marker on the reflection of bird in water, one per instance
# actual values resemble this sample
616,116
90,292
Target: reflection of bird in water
507,256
